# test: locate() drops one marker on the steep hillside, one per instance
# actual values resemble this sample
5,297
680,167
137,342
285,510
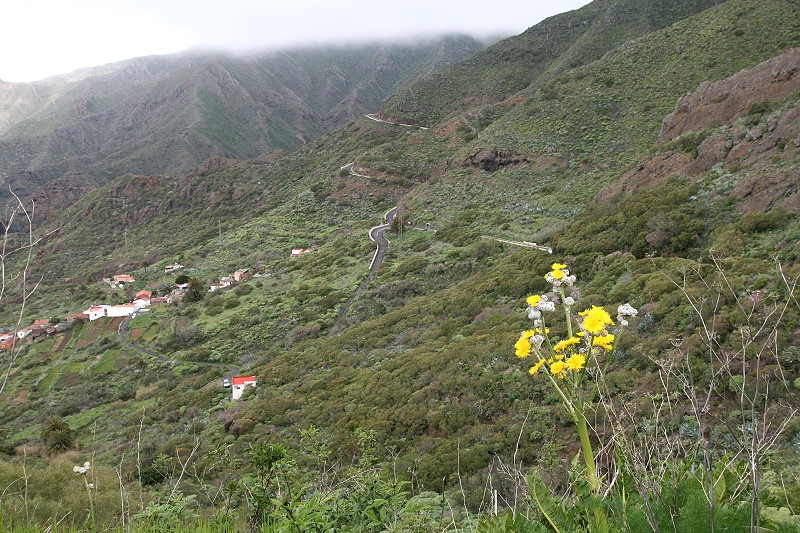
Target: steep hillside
165,115
556,45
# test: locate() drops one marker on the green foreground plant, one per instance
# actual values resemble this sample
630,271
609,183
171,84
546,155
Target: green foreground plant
568,360
706,474
672,460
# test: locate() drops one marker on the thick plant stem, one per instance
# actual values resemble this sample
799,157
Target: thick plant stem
588,454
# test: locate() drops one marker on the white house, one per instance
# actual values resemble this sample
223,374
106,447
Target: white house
122,309
227,281
96,311
239,383
126,309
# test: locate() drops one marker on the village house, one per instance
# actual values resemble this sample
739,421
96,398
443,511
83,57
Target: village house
35,330
126,309
227,281
143,296
297,252
7,341
172,268
241,274
80,315
119,280
239,383
61,327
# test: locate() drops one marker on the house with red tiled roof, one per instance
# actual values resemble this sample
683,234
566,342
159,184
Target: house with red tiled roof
239,383
80,315
122,279
7,341
35,330
143,296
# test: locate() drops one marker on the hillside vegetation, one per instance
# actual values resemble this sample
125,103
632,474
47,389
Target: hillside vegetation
655,155
167,114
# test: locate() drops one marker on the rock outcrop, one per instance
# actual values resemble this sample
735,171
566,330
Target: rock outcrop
756,148
725,101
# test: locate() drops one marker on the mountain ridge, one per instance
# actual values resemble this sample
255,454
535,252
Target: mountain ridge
166,114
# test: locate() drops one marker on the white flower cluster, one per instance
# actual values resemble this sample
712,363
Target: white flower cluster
567,280
537,341
535,311
82,469
546,305
624,312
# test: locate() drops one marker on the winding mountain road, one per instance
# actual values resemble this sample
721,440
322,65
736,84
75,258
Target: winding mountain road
377,235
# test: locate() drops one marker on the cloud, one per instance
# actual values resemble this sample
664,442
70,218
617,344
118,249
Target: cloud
50,37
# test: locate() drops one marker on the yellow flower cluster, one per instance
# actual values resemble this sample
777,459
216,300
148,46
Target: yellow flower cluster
523,345
569,354
565,362
558,270
533,300
560,366
596,319
529,340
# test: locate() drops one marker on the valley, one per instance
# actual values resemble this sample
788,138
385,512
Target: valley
648,148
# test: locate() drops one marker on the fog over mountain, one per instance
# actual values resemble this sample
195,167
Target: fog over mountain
53,37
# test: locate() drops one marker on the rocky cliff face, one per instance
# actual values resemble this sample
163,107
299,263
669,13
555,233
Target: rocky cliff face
747,127
725,101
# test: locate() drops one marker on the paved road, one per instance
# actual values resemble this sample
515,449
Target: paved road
231,370
372,116
378,236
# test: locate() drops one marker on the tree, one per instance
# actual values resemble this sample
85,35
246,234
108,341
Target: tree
57,435
195,292
16,257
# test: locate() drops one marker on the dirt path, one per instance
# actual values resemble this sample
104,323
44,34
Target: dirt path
231,370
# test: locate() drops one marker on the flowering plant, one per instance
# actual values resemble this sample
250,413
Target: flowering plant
566,361
82,471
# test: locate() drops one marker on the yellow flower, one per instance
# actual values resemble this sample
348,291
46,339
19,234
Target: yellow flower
535,368
533,300
566,343
576,362
558,266
523,345
559,369
604,341
596,320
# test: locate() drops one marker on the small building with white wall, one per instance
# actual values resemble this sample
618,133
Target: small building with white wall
239,383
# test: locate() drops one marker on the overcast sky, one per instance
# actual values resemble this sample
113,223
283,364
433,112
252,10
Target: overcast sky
47,37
